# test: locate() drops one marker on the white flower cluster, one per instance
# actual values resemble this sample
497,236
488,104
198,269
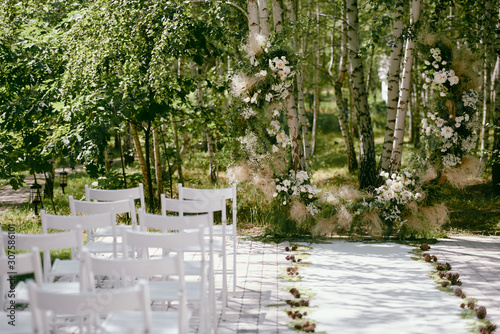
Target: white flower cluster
438,74
250,144
248,112
395,194
470,99
295,186
453,134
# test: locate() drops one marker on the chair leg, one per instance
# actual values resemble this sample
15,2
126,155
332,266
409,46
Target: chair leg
234,265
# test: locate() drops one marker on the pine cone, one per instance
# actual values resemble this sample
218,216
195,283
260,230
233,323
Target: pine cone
444,284
440,267
434,258
471,304
427,257
488,329
425,247
458,292
481,312
462,305
287,248
448,266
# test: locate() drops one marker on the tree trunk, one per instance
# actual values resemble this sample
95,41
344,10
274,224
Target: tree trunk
158,164
142,160
404,92
353,120
264,18
415,118
495,161
392,89
300,91
488,48
293,129
122,160
317,91
178,150
352,162
278,15
367,173
147,149
253,17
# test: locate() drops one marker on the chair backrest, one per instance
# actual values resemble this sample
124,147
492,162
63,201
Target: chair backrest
210,194
88,306
175,242
46,242
192,206
57,222
111,195
172,223
127,270
18,264
92,208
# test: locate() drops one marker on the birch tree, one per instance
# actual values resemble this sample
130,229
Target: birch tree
352,162
253,17
299,85
392,87
278,15
317,91
367,173
264,18
404,92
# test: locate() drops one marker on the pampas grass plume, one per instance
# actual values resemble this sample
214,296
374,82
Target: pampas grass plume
373,222
239,173
265,184
325,226
430,174
465,174
298,211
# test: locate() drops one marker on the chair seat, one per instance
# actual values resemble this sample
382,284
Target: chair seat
23,323
124,322
217,230
168,290
65,268
22,296
108,231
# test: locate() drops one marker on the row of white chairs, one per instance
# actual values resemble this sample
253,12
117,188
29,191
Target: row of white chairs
84,309
100,221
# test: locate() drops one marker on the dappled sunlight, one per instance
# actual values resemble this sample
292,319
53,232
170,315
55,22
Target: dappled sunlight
377,288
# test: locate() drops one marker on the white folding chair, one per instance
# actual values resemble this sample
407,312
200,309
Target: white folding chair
47,242
125,310
14,320
92,208
112,195
231,229
172,228
88,223
218,245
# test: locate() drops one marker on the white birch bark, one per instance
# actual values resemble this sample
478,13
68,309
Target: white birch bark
316,83
277,15
495,164
352,162
293,130
264,18
404,92
300,92
392,89
367,172
253,17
